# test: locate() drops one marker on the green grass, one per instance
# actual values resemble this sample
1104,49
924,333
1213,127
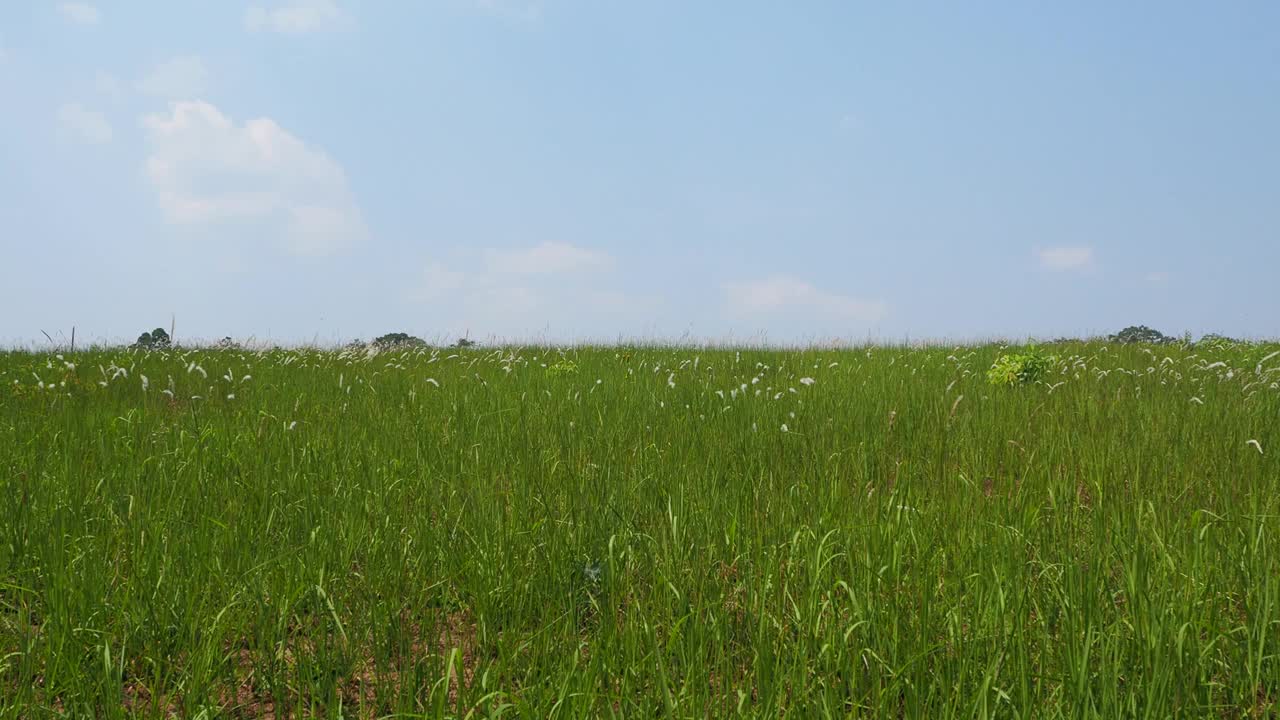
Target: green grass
430,534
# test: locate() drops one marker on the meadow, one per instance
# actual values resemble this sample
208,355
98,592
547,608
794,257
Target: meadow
641,532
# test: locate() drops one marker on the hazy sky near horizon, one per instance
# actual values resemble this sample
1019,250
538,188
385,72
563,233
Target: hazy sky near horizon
331,169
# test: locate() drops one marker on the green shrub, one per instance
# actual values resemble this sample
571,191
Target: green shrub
1020,368
564,367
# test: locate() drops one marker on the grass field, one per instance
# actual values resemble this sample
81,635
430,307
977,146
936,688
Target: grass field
639,532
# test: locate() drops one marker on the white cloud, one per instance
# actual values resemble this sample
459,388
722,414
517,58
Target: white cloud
91,126
438,280
784,293
80,13
547,257
1158,277
549,287
294,17
503,269
107,84
516,10
1066,258
179,78
206,169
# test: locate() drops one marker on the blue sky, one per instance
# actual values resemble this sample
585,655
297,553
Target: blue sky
325,169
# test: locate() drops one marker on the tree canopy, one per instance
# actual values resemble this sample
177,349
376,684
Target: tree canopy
399,339
157,338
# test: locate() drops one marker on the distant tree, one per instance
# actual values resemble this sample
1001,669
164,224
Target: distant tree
1213,341
398,340
1141,334
227,343
155,339
464,343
